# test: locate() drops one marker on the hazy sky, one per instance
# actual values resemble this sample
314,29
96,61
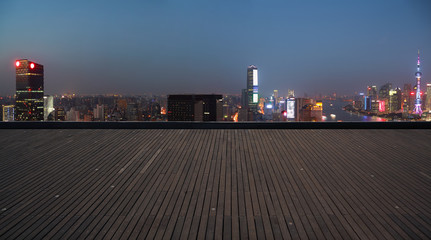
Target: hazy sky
200,46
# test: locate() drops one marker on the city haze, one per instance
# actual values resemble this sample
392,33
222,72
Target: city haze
165,47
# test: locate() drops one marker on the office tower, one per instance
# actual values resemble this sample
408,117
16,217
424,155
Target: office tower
252,88
290,93
195,107
29,91
275,100
418,109
428,99
244,99
372,92
132,111
384,91
8,113
408,98
99,113
48,108
60,114
384,97
290,109
395,100
375,106
367,103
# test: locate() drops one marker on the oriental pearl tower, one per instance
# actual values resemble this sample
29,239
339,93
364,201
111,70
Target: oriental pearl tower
418,75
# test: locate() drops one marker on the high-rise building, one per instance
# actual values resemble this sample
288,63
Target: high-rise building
408,98
244,99
290,93
48,108
290,109
418,109
367,103
384,91
60,114
29,91
252,87
195,107
394,100
372,92
384,97
99,113
8,113
428,99
275,100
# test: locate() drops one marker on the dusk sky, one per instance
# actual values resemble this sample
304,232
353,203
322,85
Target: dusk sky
200,46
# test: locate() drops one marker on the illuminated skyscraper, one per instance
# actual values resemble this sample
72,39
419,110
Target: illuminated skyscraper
252,87
372,92
394,100
8,113
428,99
418,109
48,108
290,93
29,91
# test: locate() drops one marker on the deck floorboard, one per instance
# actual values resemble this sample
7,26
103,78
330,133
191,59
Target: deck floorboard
215,183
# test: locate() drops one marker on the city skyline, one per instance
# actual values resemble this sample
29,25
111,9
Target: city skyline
165,48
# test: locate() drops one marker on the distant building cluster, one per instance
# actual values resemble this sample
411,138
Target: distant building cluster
396,103
31,104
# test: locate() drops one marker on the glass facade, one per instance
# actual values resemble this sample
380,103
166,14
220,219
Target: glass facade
29,91
252,87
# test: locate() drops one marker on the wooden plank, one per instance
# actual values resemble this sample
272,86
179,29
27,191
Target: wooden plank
205,183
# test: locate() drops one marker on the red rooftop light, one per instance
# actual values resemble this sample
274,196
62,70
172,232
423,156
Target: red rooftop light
17,63
31,65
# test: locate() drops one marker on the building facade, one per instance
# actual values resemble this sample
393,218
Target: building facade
8,113
252,87
48,108
428,98
29,91
195,107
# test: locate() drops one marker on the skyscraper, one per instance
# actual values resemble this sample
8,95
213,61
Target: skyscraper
384,91
394,100
29,91
252,87
290,93
418,109
8,113
428,99
384,96
48,108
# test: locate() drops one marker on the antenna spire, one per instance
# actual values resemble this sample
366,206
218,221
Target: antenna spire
419,61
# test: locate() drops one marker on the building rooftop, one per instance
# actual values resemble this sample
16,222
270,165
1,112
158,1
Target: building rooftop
213,183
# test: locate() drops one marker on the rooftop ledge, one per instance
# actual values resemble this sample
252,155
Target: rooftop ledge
215,125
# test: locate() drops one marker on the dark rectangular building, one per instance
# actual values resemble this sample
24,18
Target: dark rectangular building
29,91
195,107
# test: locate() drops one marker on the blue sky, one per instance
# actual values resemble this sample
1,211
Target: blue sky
204,46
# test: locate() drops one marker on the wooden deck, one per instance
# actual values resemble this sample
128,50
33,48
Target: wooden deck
215,183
